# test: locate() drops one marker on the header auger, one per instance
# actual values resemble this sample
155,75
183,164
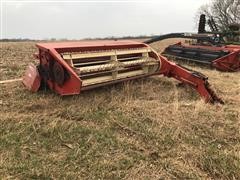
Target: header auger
71,67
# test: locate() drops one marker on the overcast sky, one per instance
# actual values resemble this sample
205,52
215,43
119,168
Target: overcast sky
76,20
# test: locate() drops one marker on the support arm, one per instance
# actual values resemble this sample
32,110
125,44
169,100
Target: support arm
195,79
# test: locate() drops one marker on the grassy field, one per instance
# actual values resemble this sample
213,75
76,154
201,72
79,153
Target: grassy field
143,129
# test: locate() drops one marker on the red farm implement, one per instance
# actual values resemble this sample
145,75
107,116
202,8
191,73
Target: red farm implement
71,67
223,58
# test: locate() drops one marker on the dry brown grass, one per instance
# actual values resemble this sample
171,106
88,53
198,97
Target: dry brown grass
144,129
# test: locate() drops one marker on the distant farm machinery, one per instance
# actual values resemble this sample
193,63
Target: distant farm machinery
224,58
71,67
211,48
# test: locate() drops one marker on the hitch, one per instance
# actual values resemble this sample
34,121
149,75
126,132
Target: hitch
195,79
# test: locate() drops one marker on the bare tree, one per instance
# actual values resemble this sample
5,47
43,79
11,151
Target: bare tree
224,12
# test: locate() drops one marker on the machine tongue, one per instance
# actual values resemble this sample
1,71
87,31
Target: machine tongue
215,97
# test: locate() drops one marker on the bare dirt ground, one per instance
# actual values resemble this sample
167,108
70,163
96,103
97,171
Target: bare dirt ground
143,129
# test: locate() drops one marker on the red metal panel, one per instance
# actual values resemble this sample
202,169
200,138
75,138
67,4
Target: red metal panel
73,85
230,62
32,79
